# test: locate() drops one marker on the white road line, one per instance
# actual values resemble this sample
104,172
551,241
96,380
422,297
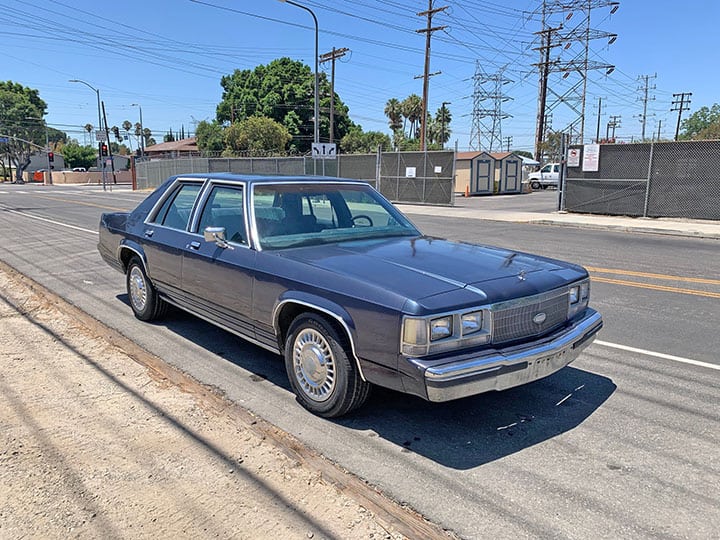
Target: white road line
659,355
31,216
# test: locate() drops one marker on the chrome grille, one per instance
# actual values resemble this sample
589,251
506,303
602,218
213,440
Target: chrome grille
514,319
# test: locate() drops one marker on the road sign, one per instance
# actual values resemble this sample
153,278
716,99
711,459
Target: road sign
324,150
100,136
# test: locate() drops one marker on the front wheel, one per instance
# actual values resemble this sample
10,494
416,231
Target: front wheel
144,300
535,184
324,378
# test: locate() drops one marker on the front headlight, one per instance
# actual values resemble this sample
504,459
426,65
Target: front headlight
574,294
441,328
471,322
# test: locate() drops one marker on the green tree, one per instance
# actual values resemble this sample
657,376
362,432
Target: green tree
393,110
412,111
79,156
443,117
359,142
169,137
551,147
702,124
209,136
256,136
280,89
17,104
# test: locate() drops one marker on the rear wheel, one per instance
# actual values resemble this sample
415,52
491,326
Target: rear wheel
144,300
324,378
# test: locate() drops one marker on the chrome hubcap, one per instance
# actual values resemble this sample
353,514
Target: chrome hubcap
138,289
314,365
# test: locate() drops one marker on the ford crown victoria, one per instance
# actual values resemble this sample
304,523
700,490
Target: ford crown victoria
330,275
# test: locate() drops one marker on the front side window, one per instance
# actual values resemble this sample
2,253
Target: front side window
175,211
224,208
294,215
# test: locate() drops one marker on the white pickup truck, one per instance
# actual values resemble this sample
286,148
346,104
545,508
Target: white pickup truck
549,175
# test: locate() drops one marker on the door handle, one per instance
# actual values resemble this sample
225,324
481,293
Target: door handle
149,232
194,245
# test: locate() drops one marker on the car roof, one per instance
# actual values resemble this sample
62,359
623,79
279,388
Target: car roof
273,179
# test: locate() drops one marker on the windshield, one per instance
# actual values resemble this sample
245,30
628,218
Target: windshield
293,215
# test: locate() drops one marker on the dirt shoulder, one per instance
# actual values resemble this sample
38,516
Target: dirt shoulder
94,444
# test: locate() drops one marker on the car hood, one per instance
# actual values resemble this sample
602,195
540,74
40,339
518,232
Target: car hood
419,268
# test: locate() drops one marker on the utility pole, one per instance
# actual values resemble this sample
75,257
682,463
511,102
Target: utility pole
613,123
597,131
681,102
508,142
645,89
544,66
331,57
428,30
659,129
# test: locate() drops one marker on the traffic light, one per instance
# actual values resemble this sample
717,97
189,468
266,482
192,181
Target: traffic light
51,157
103,149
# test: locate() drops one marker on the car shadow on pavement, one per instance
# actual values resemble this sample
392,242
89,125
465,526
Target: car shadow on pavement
469,432
460,434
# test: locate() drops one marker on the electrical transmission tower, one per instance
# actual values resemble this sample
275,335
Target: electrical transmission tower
572,61
645,90
486,131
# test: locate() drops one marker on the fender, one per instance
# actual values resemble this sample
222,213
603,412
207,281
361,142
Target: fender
322,305
131,245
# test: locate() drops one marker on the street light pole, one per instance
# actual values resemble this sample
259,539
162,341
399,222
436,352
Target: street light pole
142,133
99,126
317,76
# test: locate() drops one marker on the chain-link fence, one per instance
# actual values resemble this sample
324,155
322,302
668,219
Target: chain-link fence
676,179
416,177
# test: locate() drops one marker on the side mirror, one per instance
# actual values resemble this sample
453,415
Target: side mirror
217,235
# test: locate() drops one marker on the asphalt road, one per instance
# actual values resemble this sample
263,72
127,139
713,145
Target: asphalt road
624,443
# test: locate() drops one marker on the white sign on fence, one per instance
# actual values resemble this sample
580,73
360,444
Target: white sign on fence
324,151
591,158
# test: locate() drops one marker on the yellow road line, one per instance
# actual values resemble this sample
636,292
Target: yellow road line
663,288
652,276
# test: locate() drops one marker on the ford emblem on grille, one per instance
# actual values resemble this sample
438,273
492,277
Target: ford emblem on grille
539,318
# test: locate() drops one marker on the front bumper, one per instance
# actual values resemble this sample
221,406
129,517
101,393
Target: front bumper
499,369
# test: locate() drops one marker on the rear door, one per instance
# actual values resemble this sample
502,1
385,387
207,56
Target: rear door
165,236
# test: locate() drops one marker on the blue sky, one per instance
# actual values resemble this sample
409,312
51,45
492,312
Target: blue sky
169,55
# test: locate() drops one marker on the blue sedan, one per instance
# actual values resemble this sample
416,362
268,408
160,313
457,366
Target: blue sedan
329,274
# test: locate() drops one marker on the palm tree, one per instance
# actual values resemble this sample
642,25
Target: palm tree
411,110
393,110
89,128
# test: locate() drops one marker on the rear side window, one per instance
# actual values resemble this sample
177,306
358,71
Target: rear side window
175,211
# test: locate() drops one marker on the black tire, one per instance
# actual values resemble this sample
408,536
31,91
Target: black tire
322,374
535,185
144,300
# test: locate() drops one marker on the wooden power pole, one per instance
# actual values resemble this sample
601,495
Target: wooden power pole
331,57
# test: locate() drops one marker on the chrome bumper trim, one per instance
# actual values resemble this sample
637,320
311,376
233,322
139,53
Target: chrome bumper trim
510,367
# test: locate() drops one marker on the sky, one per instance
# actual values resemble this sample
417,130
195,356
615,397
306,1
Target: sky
168,57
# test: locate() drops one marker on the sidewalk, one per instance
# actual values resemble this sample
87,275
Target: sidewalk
474,208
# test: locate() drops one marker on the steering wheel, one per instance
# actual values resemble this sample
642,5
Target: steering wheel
362,217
